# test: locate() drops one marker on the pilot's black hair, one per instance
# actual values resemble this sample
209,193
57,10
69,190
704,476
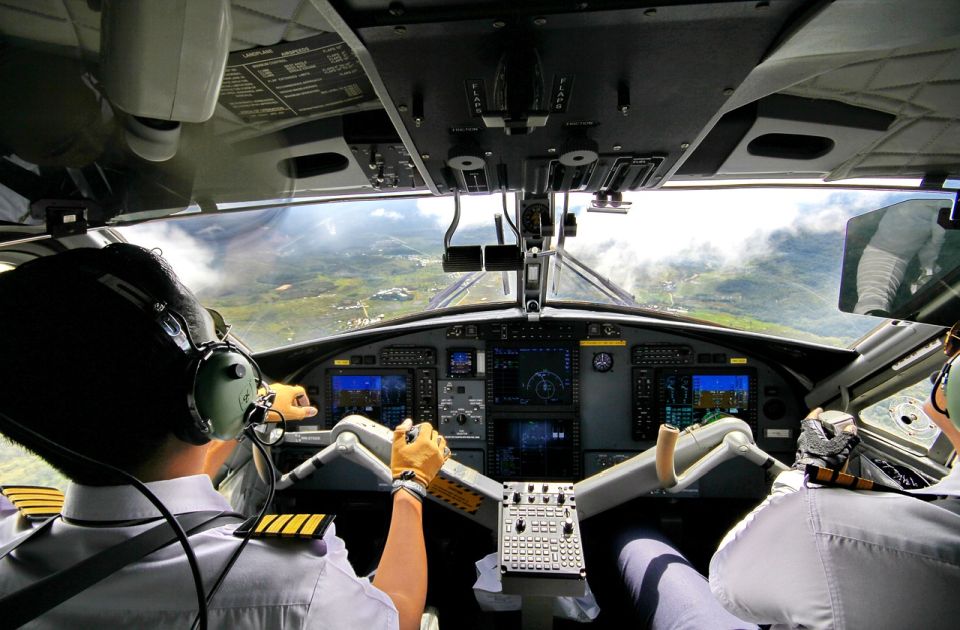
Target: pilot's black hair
87,368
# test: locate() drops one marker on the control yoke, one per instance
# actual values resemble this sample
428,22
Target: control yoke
735,443
696,450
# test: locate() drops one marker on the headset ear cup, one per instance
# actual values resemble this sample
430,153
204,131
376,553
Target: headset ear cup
224,390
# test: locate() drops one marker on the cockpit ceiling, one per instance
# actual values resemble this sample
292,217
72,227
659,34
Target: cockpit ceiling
75,24
656,91
918,84
72,27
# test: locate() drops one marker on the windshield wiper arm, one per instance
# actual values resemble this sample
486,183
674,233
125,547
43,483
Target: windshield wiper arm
594,279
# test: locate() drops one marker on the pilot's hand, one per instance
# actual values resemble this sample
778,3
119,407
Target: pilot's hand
419,455
292,402
818,448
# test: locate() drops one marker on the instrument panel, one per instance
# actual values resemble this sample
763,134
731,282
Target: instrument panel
558,400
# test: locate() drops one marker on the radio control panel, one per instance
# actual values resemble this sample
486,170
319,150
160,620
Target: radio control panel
462,409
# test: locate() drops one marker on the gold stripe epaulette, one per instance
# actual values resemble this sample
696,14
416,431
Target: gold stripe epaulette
303,526
34,502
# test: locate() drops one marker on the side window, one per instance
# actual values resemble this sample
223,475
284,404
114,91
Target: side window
21,467
902,415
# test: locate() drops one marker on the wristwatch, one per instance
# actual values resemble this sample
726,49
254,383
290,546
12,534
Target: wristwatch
413,487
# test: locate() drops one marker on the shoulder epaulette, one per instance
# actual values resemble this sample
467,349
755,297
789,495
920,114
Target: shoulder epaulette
303,526
34,502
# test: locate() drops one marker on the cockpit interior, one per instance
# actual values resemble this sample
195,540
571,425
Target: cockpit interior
611,250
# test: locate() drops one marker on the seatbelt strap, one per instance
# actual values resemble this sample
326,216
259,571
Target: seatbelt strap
25,536
29,603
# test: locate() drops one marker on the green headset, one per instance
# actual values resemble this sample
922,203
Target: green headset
221,380
951,391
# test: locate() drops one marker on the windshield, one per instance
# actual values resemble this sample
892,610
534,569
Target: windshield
756,259
292,274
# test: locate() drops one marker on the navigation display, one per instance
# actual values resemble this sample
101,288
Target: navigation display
532,377
689,396
533,449
380,397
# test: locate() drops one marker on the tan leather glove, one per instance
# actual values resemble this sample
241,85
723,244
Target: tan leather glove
292,402
421,459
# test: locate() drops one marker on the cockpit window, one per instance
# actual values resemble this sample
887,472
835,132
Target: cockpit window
292,274
766,260
19,466
902,415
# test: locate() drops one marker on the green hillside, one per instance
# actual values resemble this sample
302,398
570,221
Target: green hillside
18,466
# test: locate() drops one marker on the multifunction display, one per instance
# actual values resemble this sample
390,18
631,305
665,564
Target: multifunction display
527,448
384,397
524,376
688,398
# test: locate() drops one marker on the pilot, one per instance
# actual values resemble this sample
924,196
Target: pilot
810,557
86,368
817,557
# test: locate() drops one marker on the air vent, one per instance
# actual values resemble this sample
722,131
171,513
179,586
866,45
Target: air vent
790,146
305,166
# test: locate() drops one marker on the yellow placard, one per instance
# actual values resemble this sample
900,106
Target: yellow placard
738,361
341,361
603,342
457,495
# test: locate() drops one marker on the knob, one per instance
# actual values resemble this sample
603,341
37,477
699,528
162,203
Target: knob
561,497
466,158
516,496
546,487
546,498
568,526
529,487
462,418
579,151
531,498
520,525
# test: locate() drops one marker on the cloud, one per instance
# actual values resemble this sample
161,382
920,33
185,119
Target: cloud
193,260
328,225
716,228
393,215
474,210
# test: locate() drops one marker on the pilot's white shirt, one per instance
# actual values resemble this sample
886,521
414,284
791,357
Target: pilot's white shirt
831,558
274,584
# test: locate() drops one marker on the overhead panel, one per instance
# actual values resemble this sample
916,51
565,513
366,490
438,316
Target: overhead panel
580,100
